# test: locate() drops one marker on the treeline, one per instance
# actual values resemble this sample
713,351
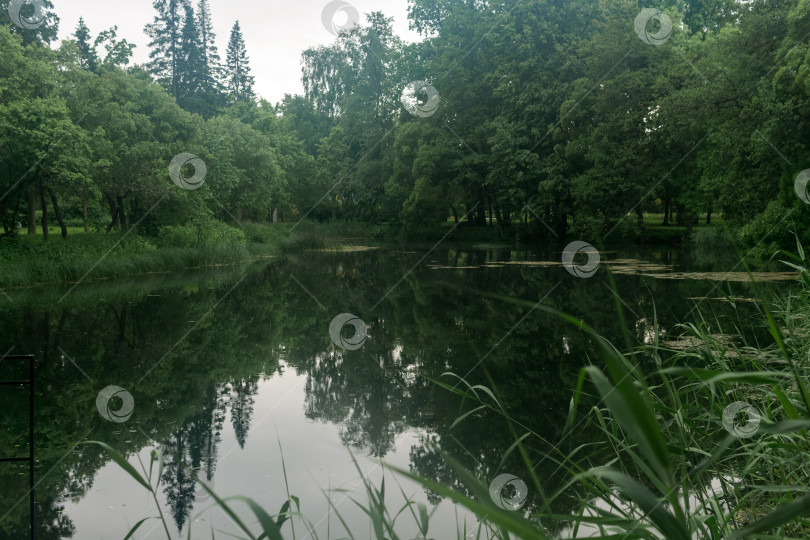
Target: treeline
88,139
572,117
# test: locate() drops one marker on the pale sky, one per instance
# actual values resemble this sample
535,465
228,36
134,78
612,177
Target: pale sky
275,32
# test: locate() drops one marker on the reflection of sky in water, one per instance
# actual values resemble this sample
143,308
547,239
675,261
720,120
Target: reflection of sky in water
314,460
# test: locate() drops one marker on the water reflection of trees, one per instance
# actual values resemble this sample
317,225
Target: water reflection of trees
434,321
194,447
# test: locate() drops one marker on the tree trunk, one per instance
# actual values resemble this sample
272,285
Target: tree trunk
681,219
455,214
121,214
498,217
32,210
58,213
84,214
13,227
666,212
134,208
113,213
44,206
640,222
709,217
480,213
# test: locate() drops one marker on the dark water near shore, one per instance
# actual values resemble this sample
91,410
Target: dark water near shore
233,373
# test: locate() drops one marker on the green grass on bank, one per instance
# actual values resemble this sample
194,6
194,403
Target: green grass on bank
28,259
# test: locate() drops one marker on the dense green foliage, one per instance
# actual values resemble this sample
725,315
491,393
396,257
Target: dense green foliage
554,113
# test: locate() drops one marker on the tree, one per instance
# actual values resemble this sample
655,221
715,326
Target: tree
118,51
323,78
242,408
210,69
177,476
237,69
89,58
190,65
41,28
165,32
244,170
34,124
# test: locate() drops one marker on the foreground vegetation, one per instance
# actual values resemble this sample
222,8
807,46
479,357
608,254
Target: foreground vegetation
667,462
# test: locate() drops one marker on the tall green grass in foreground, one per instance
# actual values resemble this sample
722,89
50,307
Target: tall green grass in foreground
674,469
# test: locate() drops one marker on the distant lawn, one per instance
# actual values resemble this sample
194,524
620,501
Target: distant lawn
654,231
652,220
55,231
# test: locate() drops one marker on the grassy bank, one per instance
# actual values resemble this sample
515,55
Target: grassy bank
29,260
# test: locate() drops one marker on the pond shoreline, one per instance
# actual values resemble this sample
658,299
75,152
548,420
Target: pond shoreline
27,261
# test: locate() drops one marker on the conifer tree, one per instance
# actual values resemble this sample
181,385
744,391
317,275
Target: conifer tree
165,32
89,57
190,64
238,79
211,62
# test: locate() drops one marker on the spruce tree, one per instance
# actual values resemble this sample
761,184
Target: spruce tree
190,66
211,68
238,78
89,58
165,32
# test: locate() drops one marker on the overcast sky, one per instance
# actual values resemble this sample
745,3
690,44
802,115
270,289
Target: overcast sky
275,32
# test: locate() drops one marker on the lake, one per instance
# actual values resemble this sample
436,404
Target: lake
234,373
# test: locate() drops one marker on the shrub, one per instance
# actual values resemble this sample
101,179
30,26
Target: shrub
710,237
774,228
201,234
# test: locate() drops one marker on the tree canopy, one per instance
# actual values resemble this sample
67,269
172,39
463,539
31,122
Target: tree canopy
572,117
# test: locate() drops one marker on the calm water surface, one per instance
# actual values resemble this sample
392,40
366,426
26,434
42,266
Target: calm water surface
233,373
